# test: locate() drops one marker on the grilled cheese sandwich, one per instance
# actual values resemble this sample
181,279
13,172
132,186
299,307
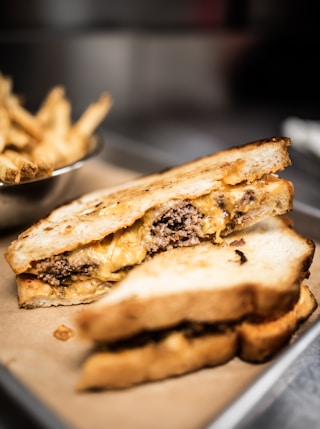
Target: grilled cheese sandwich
94,241
189,308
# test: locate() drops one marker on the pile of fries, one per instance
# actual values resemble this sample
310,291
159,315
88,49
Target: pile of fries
33,145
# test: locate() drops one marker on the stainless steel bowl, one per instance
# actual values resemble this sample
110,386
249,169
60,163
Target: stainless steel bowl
24,203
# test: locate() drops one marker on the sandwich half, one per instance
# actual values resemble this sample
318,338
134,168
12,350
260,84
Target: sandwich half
190,347
189,308
81,249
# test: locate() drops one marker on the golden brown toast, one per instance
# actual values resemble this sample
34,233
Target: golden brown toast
83,248
100,213
256,271
184,350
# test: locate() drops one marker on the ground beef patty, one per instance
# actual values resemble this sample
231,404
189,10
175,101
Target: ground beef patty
180,225
56,269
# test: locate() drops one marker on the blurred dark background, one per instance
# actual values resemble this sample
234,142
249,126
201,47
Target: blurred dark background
187,76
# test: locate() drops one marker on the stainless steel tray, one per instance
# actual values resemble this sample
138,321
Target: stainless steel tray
286,391
285,395
21,408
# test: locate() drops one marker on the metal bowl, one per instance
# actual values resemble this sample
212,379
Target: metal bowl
24,203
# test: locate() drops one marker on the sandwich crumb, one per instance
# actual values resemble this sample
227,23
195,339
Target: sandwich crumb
240,242
243,257
63,333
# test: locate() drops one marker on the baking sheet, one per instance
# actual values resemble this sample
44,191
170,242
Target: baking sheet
49,368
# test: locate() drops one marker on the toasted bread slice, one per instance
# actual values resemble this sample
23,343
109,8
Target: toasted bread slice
37,288
182,351
260,341
34,293
257,271
100,214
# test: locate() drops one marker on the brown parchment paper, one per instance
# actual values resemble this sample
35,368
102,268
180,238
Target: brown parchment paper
49,367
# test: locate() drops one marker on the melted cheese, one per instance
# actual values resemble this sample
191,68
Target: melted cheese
128,246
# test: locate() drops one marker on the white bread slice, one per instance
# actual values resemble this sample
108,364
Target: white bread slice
98,214
256,271
34,292
178,353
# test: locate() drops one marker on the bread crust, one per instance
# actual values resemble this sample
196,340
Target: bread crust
176,354
260,341
34,293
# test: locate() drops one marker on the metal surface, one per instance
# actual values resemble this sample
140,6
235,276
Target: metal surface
20,408
286,395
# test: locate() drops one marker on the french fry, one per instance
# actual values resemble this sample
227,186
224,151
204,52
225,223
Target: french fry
45,112
18,139
55,151
4,128
61,121
27,169
44,166
2,142
9,173
25,120
5,88
45,169
46,150
33,145
6,95
93,116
